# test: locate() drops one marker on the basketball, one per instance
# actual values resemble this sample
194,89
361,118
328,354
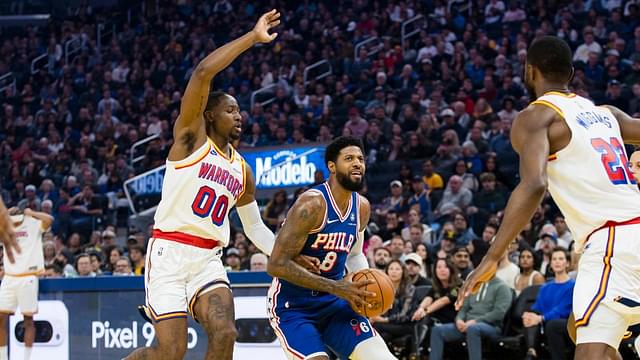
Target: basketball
383,288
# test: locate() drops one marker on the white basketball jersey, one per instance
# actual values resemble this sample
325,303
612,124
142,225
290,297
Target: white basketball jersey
590,178
198,193
30,261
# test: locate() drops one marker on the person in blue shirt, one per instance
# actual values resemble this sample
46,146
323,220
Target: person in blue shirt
551,310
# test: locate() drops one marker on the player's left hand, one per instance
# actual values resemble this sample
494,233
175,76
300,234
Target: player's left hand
483,273
308,262
266,22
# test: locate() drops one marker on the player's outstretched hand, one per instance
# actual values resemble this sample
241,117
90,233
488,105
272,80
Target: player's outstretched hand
308,262
354,292
483,273
266,22
8,236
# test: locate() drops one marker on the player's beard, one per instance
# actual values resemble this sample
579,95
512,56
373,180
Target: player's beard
349,184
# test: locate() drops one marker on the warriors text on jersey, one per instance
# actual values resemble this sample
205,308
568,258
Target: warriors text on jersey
590,178
30,260
197,194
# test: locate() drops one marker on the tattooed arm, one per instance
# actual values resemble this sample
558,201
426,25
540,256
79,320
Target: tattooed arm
306,214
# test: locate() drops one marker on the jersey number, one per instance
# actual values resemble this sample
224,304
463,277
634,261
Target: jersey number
329,261
614,160
206,201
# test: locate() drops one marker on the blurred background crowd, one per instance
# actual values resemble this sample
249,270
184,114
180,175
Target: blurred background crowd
434,111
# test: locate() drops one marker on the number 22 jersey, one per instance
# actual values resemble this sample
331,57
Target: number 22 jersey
197,194
590,179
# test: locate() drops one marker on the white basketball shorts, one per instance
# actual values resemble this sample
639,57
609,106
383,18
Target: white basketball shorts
176,274
606,298
19,291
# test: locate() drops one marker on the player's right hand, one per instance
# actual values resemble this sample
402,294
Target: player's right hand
264,24
354,292
8,236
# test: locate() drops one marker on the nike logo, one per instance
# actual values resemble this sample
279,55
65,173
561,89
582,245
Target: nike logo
332,221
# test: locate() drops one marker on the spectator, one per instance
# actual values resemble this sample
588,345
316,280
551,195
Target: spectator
232,259
396,248
551,310
423,252
422,232
276,210
479,247
507,271
430,177
52,271
462,261
381,258
258,262
395,323
137,256
564,236
393,202
464,233
438,305
480,317
528,274
420,198
589,45
83,266
31,200
634,159
123,267
96,263
413,264
49,251
455,197
392,226
489,200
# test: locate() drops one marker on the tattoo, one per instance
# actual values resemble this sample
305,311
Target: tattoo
302,218
217,308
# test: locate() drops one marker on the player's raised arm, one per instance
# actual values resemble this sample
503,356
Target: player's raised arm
629,126
357,260
530,140
7,235
306,214
189,128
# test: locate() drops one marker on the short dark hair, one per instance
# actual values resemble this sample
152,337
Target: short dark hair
566,253
214,99
333,149
552,56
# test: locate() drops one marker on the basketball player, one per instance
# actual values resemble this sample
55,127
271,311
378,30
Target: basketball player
575,148
205,178
7,234
313,313
20,283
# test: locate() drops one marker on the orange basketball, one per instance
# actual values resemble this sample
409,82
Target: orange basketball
383,287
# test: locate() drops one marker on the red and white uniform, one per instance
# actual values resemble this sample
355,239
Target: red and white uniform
191,228
20,283
592,184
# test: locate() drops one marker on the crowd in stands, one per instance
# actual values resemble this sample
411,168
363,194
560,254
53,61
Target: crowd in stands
439,110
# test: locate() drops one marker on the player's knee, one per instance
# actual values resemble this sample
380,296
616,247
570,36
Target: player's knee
174,350
592,351
372,349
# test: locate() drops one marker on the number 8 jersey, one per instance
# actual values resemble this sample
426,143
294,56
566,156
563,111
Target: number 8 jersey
590,178
197,194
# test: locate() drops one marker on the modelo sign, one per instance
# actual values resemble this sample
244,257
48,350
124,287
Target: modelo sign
290,167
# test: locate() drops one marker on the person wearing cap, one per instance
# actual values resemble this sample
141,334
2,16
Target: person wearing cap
414,265
445,247
378,99
31,200
449,122
614,95
108,238
544,246
232,259
393,202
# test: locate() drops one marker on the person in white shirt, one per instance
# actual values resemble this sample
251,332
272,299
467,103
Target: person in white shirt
589,46
20,283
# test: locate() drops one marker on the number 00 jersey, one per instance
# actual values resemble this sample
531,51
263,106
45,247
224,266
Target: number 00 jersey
590,178
30,260
197,194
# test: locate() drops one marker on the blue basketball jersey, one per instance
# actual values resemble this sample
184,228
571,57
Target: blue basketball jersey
330,243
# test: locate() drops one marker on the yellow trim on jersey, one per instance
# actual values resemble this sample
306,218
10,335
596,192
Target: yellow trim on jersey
197,160
244,177
553,156
548,104
221,153
36,273
570,95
